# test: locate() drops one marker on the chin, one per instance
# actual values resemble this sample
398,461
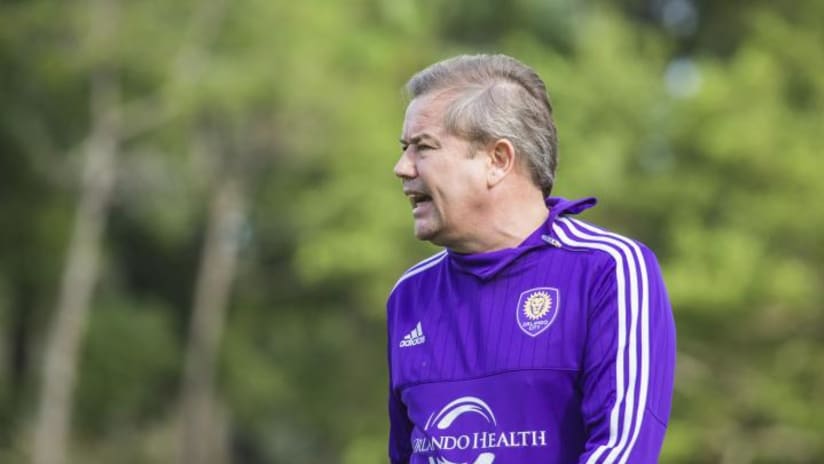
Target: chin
426,233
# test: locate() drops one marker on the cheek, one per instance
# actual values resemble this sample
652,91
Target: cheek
455,183
461,194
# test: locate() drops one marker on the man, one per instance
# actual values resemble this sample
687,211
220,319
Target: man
533,337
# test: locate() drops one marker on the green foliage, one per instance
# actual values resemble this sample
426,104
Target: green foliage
704,146
128,374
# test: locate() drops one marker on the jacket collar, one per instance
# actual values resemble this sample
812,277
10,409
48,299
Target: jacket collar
487,265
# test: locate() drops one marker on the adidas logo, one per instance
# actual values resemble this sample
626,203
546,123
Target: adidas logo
416,337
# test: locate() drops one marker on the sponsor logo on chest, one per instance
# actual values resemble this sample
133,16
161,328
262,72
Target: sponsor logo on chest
452,433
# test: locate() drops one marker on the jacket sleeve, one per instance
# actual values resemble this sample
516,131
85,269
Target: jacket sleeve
627,376
400,427
400,431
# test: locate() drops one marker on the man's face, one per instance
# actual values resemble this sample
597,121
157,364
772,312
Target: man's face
442,176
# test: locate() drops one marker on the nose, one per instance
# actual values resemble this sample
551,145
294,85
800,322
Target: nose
405,167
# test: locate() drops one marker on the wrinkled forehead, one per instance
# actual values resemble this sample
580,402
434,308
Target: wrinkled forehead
426,114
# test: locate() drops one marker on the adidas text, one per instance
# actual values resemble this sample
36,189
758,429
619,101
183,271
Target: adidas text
413,342
416,337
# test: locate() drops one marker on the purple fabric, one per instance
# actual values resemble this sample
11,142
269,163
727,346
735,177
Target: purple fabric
560,350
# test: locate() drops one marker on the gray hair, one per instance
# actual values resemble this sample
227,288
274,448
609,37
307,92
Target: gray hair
497,97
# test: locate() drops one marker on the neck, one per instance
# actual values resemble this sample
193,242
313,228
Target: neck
507,223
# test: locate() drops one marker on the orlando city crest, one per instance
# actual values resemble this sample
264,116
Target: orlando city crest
537,309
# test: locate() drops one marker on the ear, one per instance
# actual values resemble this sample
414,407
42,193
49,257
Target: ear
501,161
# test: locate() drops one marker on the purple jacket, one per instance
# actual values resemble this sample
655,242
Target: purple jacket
558,351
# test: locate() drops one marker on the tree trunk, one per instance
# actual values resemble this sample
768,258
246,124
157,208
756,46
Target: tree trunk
79,276
201,437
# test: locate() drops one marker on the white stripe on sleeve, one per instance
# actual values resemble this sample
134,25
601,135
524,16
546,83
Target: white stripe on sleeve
619,249
644,364
420,267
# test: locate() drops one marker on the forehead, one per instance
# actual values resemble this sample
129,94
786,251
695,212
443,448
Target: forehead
425,114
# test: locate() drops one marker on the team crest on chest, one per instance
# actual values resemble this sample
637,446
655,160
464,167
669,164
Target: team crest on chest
537,309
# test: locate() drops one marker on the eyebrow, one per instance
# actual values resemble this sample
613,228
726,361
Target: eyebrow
417,139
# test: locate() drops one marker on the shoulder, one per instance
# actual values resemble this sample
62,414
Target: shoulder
580,234
624,263
616,249
420,269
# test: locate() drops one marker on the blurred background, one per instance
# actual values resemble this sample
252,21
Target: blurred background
199,224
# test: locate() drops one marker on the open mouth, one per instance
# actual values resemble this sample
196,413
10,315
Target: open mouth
417,199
